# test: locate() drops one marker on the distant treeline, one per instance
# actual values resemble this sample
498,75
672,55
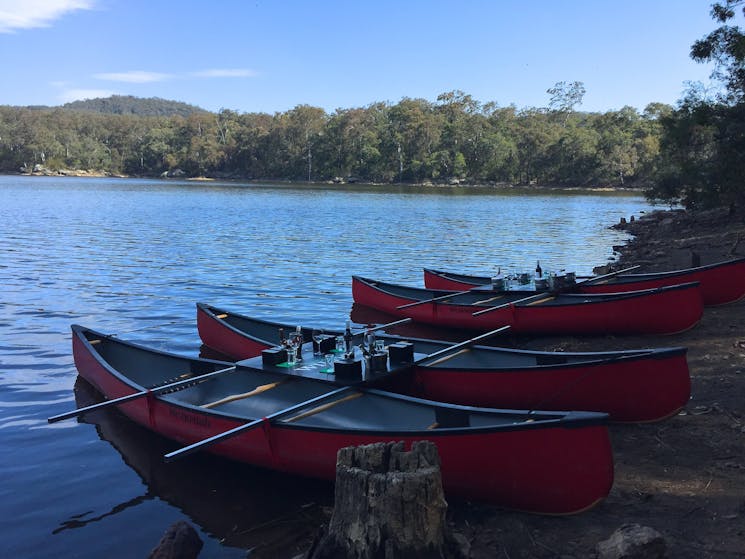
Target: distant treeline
455,139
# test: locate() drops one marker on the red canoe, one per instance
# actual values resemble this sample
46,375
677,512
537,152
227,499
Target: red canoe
665,310
545,462
720,283
633,385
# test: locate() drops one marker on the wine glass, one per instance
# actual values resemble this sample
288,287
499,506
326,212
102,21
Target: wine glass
317,335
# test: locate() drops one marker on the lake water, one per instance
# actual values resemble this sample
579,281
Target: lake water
132,257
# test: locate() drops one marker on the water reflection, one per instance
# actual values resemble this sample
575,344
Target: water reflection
242,506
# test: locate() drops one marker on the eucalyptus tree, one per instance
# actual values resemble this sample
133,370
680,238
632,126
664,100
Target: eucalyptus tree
412,136
619,157
565,97
306,128
251,133
160,147
535,133
725,46
503,163
460,115
704,140
573,158
227,124
200,152
294,136
13,152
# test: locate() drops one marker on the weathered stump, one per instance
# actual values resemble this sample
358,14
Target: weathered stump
389,503
180,541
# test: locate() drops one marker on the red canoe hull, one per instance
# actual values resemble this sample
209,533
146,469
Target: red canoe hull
664,311
720,283
218,335
640,388
550,470
636,391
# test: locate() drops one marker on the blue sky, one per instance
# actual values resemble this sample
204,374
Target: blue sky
270,56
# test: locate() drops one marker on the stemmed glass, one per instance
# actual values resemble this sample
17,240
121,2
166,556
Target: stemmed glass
317,336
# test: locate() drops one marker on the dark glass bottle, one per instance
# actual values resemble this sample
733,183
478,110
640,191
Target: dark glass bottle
348,341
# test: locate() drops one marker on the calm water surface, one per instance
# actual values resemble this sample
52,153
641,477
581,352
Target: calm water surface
133,257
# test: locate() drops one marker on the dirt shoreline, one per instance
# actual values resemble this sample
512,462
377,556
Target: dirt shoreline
684,476
94,173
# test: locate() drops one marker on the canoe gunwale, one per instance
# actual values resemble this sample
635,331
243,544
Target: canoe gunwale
601,357
587,298
721,283
533,419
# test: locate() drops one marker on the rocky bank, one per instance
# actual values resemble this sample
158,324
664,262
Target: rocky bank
683,477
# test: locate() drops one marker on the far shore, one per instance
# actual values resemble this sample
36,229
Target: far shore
452,183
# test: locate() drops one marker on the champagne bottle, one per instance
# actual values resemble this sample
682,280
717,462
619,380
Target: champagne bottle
538,270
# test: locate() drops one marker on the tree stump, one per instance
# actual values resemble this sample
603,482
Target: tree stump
180,541
389,503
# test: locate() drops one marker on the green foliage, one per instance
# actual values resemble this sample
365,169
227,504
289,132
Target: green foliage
703,140
565,97
725,46
414,140
129,105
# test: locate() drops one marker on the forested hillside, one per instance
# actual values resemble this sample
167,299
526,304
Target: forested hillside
129,105
456,138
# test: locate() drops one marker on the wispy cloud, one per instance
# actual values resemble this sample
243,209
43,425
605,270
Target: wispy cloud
28,14
134,76
225,73
69,95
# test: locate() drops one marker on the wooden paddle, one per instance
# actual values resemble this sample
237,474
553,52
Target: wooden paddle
384,326
461,345
233,397
425,301
606,276
199,445
497,307
123,399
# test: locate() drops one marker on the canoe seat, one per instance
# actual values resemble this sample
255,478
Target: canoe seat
551,359
450,418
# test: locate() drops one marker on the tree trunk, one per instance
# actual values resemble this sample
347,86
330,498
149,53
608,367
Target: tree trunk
389,503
